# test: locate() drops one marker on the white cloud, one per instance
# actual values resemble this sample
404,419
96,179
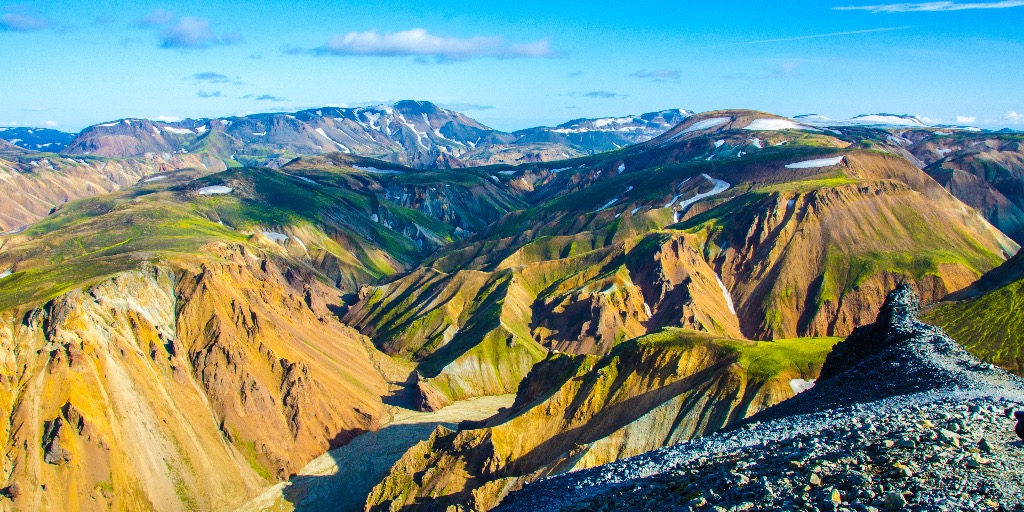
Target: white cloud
418,42
51,124
188,32
168,119
966,119
933,6
1013,117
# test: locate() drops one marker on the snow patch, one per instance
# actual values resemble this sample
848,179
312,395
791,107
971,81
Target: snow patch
5,273
622,168
154,178
943,151
720,186
719,143
725,294
801,385
374,170
276,237
759,125
179,131
303,178
606,205
813,164
324,135
214,190
704,125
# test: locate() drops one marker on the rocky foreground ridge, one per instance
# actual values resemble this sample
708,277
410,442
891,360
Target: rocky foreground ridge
902,418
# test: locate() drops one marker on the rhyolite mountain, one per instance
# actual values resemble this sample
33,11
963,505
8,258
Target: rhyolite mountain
605,134
193,339
36,139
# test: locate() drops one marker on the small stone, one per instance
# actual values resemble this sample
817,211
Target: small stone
903,470
836,497
949,437
888,443
814,479
927,424
894,501
984,446
974,408
976,461
906,443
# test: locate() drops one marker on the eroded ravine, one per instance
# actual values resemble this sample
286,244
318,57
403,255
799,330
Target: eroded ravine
341,479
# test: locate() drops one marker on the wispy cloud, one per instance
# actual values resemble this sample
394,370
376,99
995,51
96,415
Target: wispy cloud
466,107
212,77
156,18
268,97
966,119
189,32
1013,117
604,95
21,22
786,69
658,75
814,36
418,42
932,6
211,94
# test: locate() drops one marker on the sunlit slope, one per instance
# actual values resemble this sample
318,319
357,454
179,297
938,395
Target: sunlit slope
575,412
350,226
187,385
988,319
756,234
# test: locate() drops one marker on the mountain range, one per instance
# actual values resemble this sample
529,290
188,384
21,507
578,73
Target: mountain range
179,331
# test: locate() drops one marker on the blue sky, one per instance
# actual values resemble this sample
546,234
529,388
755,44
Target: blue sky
511,64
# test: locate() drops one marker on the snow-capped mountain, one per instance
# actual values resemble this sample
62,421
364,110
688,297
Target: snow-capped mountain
415,133
410,132
38,139
606,133
872,120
